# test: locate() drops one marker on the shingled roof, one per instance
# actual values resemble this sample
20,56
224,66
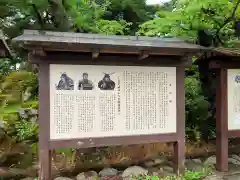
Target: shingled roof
227,51
80,42
220,53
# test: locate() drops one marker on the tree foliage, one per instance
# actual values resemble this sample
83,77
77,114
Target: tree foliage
190,16
73,15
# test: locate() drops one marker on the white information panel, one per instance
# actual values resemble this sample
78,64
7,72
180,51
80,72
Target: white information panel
233,99
102,101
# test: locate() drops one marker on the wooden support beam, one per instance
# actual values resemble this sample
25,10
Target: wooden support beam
39,52
143,55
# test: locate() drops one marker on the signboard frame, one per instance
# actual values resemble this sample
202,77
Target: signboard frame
45,50
222,62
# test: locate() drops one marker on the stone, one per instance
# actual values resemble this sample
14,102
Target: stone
34,119
149,164
198,161
63,178
168,169
108,172
234,156
22,113
210,161
214,177
33,111
28,178
154,171
158,161
233,161
9,158
134,171
193,165
90,175
27,94
233,177
2,124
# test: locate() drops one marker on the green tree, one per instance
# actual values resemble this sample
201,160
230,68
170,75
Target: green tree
190,16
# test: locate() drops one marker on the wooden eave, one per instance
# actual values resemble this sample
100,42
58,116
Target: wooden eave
219,53
112,44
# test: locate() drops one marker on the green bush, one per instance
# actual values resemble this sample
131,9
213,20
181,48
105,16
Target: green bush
196,106
17,82
21,129
30,104
10,120
26,131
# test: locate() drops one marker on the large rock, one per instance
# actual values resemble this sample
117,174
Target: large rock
63,178
134,171
149,164
9,158
23,113
193,164
32,111
108,172
234,156
90,175
233,161
28,178
214,177
159,161
210,161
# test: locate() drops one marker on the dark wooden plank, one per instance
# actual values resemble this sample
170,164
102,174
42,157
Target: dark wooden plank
234,133
112,141
44,122
228,64
106,59
106,48
179,145
221,121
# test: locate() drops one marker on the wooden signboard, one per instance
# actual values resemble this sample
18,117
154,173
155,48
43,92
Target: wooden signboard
97,90
227,65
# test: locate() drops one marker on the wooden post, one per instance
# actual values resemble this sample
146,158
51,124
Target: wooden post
222,121
44,123
179,146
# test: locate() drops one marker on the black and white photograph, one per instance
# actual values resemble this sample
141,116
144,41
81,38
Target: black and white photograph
106,83
237,79
65,83
85,83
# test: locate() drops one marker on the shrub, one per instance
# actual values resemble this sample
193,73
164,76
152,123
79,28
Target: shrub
21,125
16,83
26,131
196,106
30,104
